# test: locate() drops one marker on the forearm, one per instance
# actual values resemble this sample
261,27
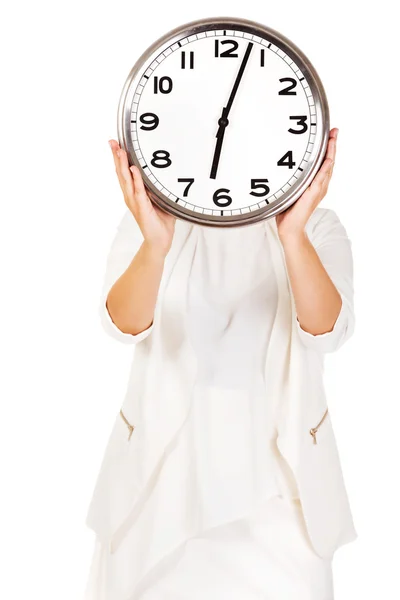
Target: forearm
316,298
131,300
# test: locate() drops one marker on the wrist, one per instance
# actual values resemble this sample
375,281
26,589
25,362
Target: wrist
294,239
153,251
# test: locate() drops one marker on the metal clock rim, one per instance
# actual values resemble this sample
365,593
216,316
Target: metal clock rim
254,28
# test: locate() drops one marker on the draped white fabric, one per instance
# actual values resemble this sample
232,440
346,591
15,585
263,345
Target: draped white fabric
265,557
225,341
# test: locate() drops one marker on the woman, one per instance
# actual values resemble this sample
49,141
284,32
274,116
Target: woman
221,477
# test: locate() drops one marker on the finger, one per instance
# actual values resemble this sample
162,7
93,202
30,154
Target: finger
330,171
325,183
115,150
123,173
140,190
126,173
323,172
331,148
319,184
334,132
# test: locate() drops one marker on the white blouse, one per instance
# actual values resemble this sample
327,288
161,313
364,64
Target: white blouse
230,322
231,317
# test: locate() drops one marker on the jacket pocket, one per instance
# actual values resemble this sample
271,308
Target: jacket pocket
314,430
128,424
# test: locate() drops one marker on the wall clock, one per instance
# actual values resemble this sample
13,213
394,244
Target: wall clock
227,120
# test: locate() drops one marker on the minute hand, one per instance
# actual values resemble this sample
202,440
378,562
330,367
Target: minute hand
238,79
223,121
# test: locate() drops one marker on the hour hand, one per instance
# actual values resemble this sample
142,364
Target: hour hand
223,123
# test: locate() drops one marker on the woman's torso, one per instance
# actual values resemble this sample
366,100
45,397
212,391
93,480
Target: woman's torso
232,302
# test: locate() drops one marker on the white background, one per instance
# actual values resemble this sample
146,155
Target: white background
62,378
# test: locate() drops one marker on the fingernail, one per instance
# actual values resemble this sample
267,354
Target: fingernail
109,143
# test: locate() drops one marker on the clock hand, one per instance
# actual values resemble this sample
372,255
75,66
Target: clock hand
238,78
223,121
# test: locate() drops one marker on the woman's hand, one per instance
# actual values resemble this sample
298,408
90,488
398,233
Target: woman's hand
291,223
317,300
156,225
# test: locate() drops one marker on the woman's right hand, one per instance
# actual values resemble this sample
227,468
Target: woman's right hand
156,225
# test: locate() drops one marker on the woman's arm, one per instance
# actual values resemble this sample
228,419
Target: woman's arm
320,267
132,298
134,272
317,300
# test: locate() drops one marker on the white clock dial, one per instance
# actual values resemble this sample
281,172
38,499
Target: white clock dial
227,119
177,106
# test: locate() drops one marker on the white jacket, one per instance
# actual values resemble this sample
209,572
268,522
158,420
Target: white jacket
163,370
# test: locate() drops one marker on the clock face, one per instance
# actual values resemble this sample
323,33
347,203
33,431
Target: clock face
222,123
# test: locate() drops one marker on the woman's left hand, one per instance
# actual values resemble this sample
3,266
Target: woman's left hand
292,222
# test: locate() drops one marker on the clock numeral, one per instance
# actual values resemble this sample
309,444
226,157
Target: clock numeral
288,91
219,195
229,53
287,160
186,191
183,60
301,121
150,120
259,184
163,85
161,159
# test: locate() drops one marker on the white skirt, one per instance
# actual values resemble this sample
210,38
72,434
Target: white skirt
265,555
